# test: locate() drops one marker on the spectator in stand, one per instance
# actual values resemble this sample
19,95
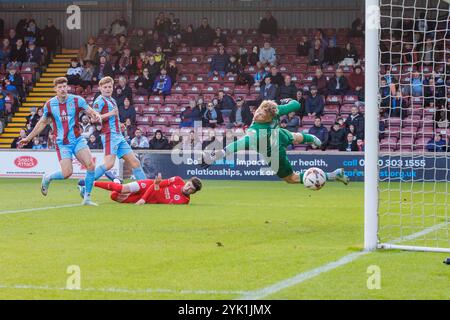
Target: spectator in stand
219,38
434,94
120,46
5,51
50,141
356,83
153,68
170,47
37,144
244,79
303,47
212,117
159,56
321,82
125,64
86,128
159,142
441,118
175,29
233,68
137,42
87,72
93,143
268,26
219,63
22,135
316,54
315,104
119,26
33,55
129,130
437,144
287,90
139,141
127,111
416,85
351,56
268,90
144,83
88,51
240,115
356,118
49,38
100,53
267,54
172,71
18,52
14,83
332,54
103,69
299,97
253,58
338,85
276,77
293,122
2,102
162,23
188,115
73,74
188,37
35,118
336,137
121,91
242,56
398,106
204,34
162,84
12,37
260,74
226,103
320,132
32,32
357,29
385,94
350,144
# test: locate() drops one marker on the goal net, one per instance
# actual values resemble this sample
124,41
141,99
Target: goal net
414,125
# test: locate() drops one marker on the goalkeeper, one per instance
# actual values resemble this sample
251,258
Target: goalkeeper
267,138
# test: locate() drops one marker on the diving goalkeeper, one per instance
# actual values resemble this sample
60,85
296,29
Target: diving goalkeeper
267,138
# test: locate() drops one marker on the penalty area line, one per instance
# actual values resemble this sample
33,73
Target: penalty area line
304,276
125,290
40,209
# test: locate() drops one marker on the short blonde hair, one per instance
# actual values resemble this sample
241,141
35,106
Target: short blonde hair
105,80
59,80
269,107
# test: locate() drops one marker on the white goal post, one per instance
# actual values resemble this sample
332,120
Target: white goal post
407,208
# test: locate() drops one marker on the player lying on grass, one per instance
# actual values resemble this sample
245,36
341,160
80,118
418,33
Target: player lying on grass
265,136
169,191
63,111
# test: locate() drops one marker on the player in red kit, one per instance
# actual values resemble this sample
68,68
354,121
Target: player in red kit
169,191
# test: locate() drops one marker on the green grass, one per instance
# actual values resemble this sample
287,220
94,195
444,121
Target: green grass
235,236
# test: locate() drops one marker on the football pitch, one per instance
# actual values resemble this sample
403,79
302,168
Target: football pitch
236,240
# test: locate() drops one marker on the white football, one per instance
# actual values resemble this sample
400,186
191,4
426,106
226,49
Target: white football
314,179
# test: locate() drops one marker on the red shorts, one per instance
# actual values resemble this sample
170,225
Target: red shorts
138,188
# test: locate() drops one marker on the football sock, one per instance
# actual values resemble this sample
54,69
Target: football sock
110,175
54,176
89,182
110,186
139,173
99,172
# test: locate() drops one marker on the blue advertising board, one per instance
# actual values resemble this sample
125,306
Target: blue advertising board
405,167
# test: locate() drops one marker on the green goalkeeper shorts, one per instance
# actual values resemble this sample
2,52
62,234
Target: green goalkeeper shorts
284,169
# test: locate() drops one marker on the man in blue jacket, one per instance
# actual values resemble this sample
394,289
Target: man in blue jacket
219,63
315,104
320,132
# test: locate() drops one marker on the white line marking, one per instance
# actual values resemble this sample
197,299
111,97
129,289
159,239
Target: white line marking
304,276
124,290
39,209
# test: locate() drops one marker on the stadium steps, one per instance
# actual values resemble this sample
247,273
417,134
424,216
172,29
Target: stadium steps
40,93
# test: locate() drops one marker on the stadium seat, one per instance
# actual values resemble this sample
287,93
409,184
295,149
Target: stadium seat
150,110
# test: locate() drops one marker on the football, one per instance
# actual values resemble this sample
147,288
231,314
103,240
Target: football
314,179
